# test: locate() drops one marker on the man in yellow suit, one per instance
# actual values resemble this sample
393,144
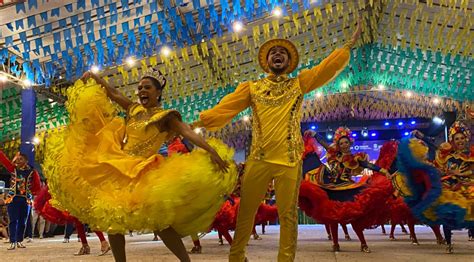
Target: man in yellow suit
277,144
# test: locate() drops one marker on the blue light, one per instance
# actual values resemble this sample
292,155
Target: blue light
406,133
413,122
329,136
400,123
386,124
354,135
313,127
373,134
438,120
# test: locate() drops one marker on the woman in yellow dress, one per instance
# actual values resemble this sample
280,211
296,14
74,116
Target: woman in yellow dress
105,170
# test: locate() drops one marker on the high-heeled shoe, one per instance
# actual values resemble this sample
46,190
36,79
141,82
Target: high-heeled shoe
196,250
66,240
336,248
256,237
450,249
329,237
414,242
20,245
440,241
221,242
364,248
85,250
347,237
104,248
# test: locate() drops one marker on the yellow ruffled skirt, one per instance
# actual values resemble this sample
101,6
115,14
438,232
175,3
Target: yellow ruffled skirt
89,175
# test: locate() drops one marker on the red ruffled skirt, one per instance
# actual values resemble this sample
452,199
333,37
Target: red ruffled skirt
368,208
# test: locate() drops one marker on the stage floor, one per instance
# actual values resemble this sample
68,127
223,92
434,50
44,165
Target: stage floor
312,246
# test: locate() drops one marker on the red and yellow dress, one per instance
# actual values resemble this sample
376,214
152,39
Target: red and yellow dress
330,194
105,170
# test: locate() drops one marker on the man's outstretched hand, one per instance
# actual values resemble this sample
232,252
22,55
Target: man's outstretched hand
356,34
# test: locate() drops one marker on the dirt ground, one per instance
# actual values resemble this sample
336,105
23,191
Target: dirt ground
312,246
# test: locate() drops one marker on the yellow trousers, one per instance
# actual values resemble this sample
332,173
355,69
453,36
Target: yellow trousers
254,185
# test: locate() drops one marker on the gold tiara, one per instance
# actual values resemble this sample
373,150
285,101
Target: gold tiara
156,74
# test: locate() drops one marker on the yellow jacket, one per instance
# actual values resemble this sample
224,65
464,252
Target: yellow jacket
276,106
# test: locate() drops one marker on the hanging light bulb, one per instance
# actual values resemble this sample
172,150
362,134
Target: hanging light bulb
95,69
238,26
130,61
277,12
165,51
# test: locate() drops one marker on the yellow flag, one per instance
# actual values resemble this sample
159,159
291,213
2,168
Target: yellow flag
287,28
329,10
135,73
296,22
256,35
195,52
205,50
153,61
245,41
123,73
307,17
144,66
184,54
276,27
318,16
215,47
225,49
266,31
339,9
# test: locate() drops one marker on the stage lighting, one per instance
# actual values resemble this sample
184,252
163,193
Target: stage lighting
277,12
438,120
313,127
238,26
413,122
130,61
400,123
386,124
95,69
165,51
27,82
364,132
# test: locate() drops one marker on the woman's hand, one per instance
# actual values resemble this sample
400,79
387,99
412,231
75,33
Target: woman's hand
386,173
358,31
417,134
309,132
180,128
221,164
87,75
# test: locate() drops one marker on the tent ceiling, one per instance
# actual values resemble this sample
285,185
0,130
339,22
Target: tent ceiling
402,38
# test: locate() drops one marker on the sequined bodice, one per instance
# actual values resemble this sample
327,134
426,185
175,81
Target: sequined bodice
460,162
143,137
276,107
343,168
